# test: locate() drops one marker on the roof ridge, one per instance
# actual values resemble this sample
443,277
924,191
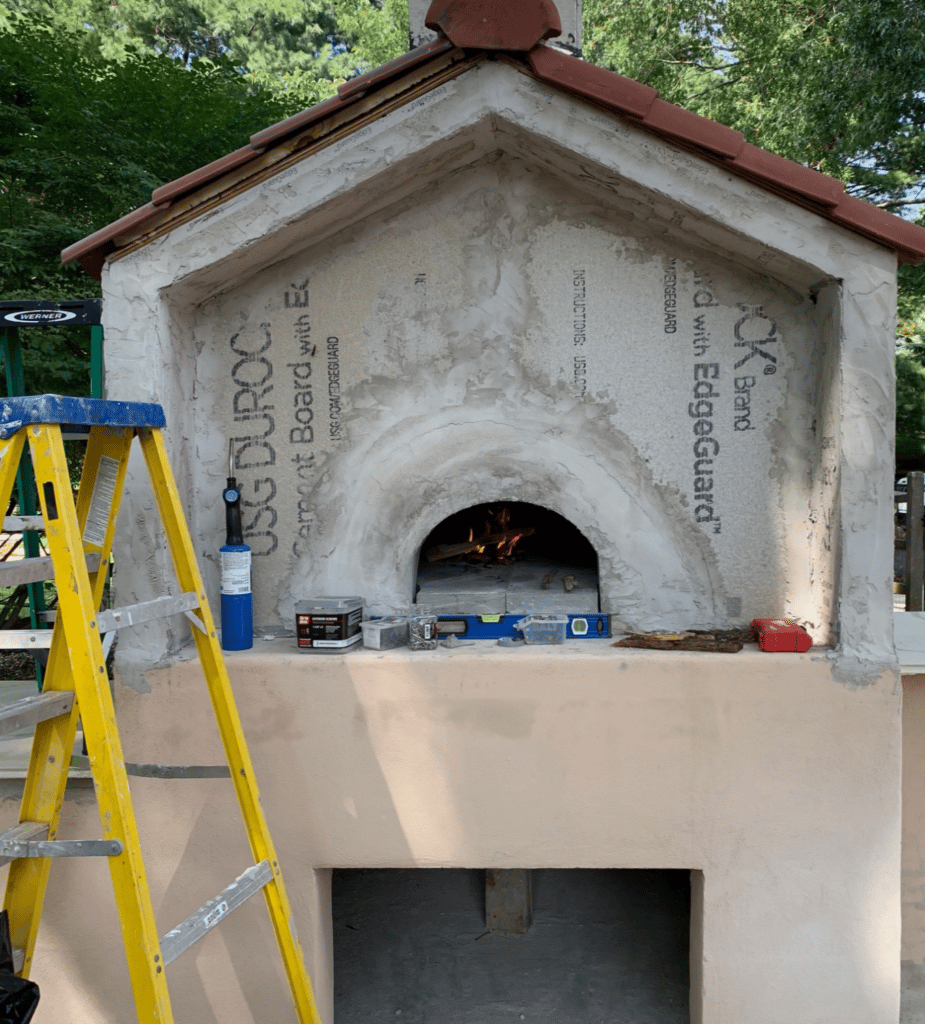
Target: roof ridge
638,104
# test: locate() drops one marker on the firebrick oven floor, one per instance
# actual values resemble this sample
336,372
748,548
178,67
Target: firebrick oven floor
605,947
535,585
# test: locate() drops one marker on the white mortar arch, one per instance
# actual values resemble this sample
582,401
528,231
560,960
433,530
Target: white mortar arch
653,569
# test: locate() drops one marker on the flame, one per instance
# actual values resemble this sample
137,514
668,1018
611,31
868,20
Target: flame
503,550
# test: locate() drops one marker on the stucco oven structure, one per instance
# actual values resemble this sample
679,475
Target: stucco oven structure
490,272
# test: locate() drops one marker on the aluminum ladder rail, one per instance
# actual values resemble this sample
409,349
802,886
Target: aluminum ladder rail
79,538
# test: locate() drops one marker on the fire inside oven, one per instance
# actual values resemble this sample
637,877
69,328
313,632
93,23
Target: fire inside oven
507,559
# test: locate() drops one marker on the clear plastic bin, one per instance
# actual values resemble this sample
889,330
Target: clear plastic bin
543,629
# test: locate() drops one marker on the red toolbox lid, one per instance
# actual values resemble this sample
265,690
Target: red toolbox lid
780,635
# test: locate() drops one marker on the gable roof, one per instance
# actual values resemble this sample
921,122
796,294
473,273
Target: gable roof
470,31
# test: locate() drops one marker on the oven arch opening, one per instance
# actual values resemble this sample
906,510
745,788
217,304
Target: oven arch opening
504,557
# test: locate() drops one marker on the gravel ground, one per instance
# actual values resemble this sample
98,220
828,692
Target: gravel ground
16,665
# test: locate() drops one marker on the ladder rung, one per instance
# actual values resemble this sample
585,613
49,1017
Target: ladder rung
24,832
37,708
145,611
16,849
35,570
19,524
162,771
25,639
210,914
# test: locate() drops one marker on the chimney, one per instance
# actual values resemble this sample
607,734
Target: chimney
569,14
418,33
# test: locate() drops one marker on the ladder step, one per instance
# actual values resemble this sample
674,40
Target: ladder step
37,708
210,914
146,611
25,640
24,832
15,849
36,570
19,524
163,771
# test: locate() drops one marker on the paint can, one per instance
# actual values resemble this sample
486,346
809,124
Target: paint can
329,625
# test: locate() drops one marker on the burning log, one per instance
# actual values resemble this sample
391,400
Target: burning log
441,551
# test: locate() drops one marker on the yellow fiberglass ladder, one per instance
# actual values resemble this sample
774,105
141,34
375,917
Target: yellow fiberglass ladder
79,538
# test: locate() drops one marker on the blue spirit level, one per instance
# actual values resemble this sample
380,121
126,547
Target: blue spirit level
590,626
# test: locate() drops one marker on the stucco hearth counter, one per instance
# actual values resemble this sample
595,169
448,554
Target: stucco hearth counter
762,773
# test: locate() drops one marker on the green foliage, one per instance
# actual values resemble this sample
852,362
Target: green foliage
833,84
910,403
300,49
83,140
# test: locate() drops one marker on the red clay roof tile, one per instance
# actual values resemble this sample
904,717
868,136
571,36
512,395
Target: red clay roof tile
760,165
167,193
594,83
106,236
512,25
882,226
265,138
363,83
678,123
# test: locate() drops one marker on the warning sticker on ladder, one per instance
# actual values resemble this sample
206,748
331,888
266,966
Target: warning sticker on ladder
104,492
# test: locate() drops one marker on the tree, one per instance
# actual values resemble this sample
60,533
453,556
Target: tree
83,140
300,48
833,84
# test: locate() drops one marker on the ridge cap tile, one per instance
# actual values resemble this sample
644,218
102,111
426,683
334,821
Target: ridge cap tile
511,25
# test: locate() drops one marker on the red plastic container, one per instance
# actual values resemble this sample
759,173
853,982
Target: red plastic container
780,635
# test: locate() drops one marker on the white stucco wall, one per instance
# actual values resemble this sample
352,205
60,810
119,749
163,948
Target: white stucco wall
442,250
762,771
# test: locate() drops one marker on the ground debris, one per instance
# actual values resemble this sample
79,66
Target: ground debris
720,641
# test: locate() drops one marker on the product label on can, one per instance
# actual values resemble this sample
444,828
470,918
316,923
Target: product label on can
236,572
329,630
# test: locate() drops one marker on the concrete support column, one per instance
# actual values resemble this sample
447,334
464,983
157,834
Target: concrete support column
508,900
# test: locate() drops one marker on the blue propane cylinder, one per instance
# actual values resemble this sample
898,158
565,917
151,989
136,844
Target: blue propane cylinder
237,602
